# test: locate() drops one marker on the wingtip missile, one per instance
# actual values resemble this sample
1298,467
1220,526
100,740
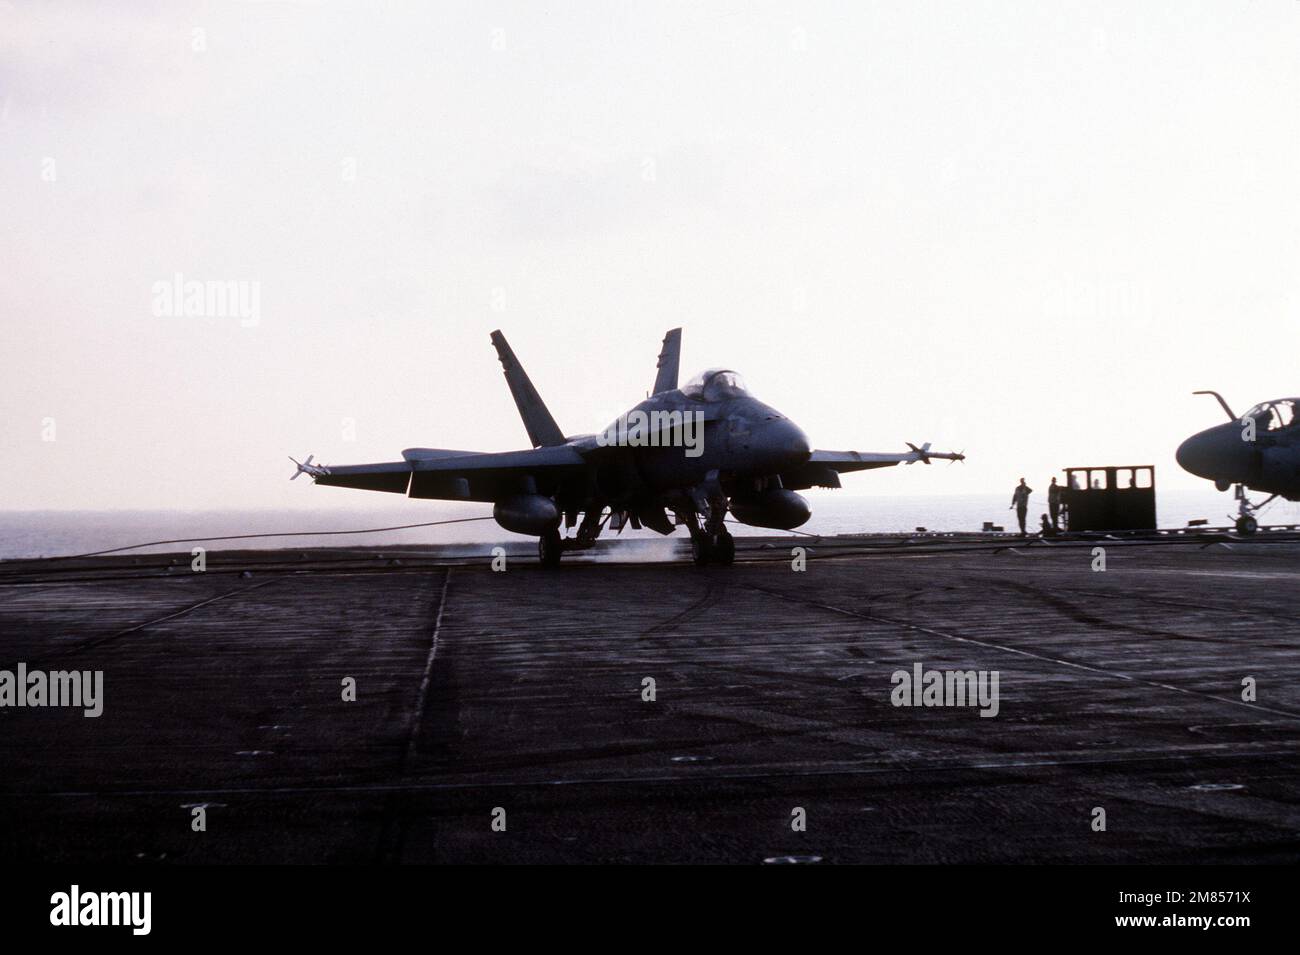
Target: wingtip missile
924,454
306,467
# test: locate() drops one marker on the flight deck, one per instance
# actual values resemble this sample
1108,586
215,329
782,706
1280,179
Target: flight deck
505,716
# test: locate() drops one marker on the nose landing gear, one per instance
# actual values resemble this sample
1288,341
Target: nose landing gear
1246,522
713,548
709,548
711,543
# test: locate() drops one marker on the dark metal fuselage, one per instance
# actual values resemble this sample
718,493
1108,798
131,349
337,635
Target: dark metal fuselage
743,447
1259,451
1269,464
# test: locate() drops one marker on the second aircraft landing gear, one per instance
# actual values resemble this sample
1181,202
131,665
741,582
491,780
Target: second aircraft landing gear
1246,522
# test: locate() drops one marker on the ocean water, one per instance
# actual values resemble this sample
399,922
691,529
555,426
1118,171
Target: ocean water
55,533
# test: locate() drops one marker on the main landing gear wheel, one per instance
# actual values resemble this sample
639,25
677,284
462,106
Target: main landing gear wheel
1247,524
713,549
549,549
724,549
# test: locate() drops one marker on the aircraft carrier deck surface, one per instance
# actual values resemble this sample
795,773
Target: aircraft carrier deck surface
522,690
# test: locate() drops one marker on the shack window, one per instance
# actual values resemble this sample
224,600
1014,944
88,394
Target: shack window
1124,478
1144,477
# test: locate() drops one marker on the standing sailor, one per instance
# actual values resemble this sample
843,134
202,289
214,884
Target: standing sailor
1054,504
1020,501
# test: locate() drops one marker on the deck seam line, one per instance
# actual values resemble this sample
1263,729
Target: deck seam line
426,678
1027,653
59,653
987,765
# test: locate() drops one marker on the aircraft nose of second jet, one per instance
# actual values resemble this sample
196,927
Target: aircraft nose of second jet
1218,454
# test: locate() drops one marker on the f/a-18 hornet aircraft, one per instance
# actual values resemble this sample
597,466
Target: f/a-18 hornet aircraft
697,451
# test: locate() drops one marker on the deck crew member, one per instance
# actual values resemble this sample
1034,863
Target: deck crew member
1020,501
1054,504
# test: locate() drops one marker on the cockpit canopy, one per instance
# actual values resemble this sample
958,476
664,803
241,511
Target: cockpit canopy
715,384
1275,415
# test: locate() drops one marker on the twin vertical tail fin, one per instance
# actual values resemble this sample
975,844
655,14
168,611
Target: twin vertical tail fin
543,432
541,427
669,359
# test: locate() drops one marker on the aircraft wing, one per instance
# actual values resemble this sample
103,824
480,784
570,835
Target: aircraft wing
823,468
465,476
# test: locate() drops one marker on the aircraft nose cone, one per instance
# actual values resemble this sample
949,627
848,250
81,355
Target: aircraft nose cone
786,439
1193,455
1218,454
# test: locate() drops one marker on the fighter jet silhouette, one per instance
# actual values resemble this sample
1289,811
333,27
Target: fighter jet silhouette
697,452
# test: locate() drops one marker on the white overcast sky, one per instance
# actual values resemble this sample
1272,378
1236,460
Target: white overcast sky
1024,229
